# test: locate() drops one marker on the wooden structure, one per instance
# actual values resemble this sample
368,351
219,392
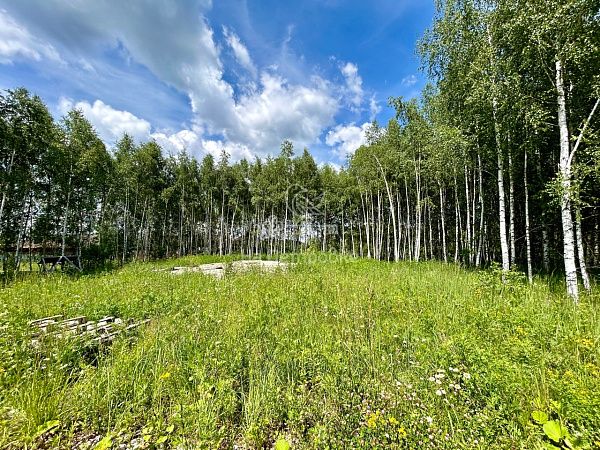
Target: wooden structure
49,263
102,331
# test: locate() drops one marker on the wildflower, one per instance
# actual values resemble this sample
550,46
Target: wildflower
393,421
372,420
438,392
429,420
401,432
164,375
466,375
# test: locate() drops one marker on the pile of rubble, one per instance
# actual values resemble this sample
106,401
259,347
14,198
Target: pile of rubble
219,269
102,331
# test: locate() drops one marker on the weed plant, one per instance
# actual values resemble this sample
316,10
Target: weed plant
346,354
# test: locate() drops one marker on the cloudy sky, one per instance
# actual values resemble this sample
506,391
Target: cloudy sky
211,74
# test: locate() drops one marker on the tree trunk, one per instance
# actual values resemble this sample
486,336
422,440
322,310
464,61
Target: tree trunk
501,197
527,226
392,210
366,218
457,219
285,223
64,230
468,224
22,232
580,252
5,188
481,212
565,175
418,213
443,218
408,236
511,202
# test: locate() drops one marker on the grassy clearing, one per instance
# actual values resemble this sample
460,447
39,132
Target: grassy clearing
353,354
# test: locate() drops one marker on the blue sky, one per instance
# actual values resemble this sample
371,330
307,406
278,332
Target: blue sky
210,75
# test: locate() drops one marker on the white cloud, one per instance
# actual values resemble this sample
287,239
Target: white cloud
16,43
335,167
178,47
345,139
192,142
236,151
239,50
282,111
374,108
353,90
176,142
110,123
408,81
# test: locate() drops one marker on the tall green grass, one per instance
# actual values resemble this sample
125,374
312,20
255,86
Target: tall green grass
336,354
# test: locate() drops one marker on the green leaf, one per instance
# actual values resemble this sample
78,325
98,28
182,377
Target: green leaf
540,417
282,445
161,439
44,428
549,446
555,430
170,428
572,442
104,443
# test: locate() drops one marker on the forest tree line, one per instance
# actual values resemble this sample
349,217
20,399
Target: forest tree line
498,161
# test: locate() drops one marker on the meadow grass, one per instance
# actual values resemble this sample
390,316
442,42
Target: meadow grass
327,354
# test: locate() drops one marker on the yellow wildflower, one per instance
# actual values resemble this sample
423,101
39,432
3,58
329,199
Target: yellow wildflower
164,375
372,420
402,432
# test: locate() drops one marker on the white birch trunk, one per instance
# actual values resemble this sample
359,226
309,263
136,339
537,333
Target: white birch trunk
481,212
565,175
392,210
443,217
468,204
501,197
580,252
527,225
511,201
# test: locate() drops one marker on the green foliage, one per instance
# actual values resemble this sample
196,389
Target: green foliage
539,417
555,431
104,444
324,355
282,444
